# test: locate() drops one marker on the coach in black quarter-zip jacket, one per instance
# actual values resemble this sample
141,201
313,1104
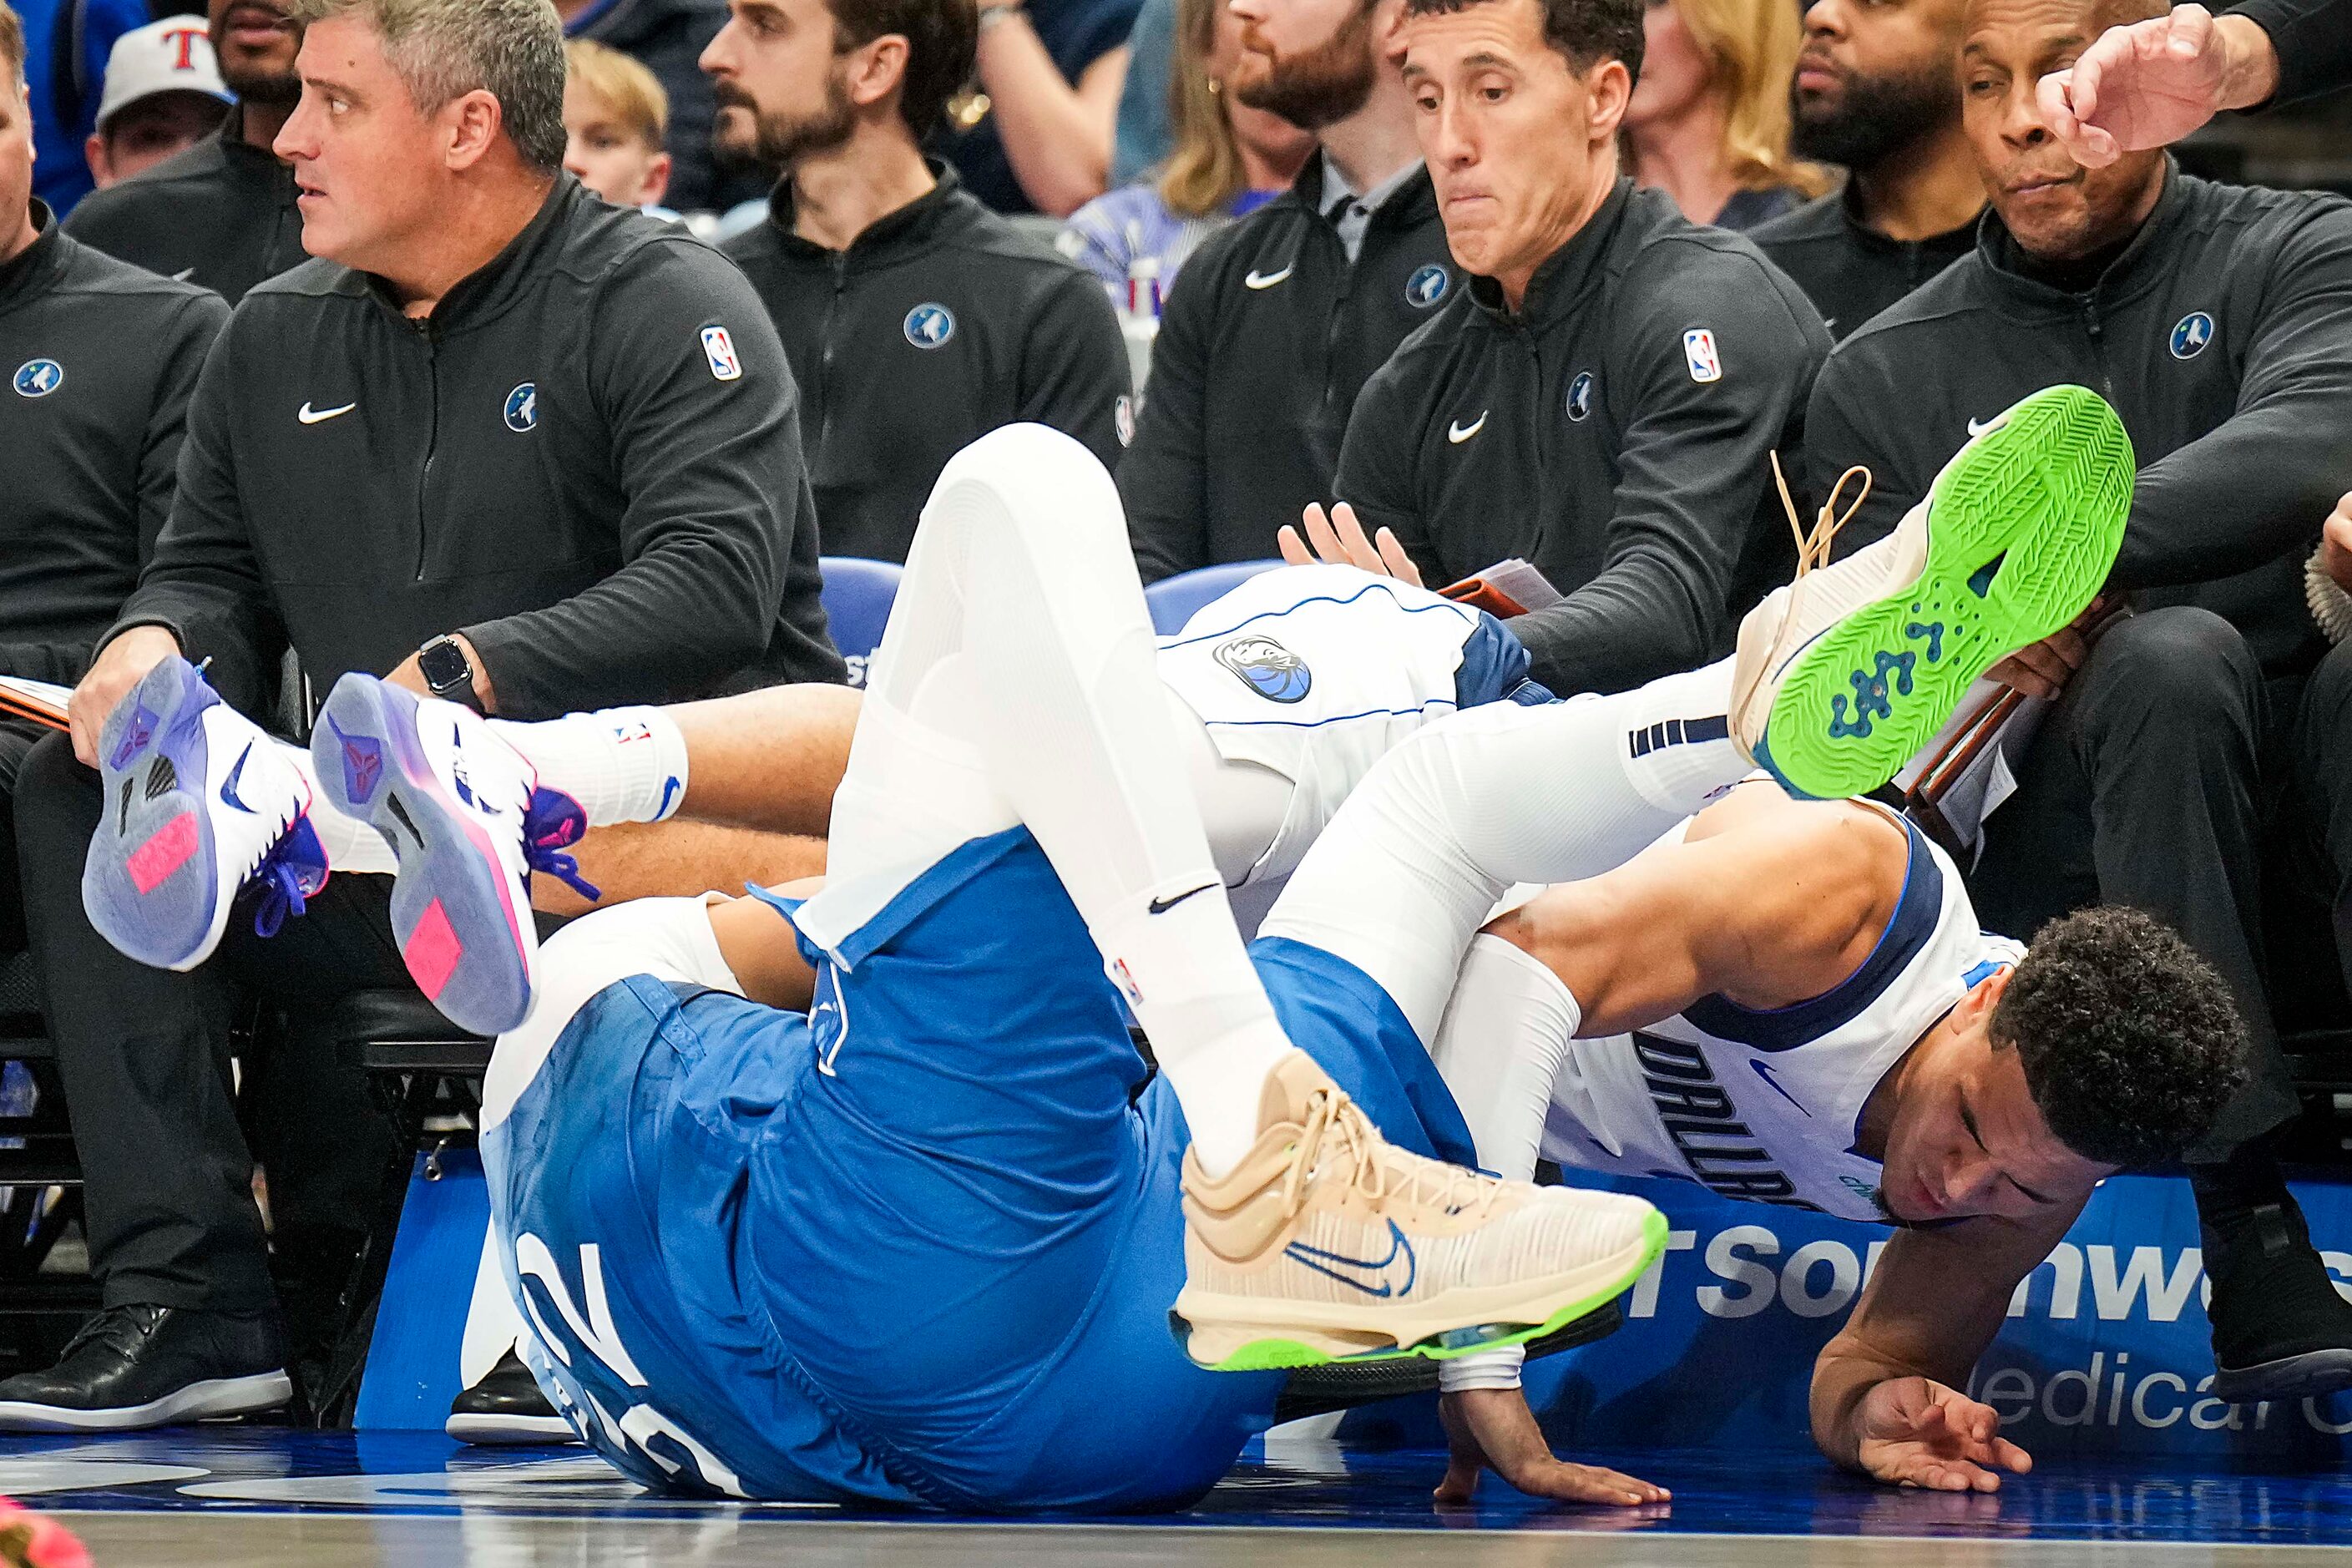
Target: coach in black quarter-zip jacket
916,320
1604,398
1278,320
494,409
2219,323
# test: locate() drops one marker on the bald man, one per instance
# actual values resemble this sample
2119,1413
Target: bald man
2220,320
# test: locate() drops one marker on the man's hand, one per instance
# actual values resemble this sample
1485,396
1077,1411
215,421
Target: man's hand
2043,668
1914,1432
2150,83
1492,1429
2336,545
1339,540
120,665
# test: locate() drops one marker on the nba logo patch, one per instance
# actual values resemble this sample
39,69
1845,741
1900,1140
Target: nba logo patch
1698,349
720,349
1267,668
1122,417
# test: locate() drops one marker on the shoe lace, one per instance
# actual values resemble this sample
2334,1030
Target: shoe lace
1813,548
289,873
121,1329
550,822
1338,1139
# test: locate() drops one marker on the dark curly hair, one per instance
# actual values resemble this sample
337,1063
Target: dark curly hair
2130,1042
1585,32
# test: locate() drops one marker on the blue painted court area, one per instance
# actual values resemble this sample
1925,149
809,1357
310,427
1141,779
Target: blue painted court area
228,1494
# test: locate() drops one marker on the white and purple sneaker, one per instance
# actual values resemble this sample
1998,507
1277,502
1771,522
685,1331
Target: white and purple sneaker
199,801
465,819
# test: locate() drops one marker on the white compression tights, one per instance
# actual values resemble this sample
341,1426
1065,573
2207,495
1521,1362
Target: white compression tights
1018,682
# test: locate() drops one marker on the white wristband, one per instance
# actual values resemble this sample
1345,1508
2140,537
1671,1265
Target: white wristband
1497,1368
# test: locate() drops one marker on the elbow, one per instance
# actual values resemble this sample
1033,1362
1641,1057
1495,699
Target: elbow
1058,193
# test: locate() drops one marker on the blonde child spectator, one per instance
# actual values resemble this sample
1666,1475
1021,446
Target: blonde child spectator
615,116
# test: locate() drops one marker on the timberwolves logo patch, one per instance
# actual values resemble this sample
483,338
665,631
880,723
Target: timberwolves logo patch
522,407
1580,396
930,326
2189,338
39,377
1427,285
1266,668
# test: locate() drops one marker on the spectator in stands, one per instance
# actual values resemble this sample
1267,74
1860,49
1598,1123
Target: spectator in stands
1146,132
164,95
1603,397
222,213
1877,90
1034,131
1708,123
918,319
101,359
609,515
616,118
2218,320
1229,161
67,43
1280,319
667,38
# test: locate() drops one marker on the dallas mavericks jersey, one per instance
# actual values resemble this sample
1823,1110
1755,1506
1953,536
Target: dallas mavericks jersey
1317,672
1764,1105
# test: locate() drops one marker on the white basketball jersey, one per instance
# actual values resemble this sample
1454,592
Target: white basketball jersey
1763,1105
1316,672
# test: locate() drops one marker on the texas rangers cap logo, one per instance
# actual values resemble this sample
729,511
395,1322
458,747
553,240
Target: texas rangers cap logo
1266,668
720,349
522,409
1580,396
2192,334
1427,285
930,325
1698,349
38,377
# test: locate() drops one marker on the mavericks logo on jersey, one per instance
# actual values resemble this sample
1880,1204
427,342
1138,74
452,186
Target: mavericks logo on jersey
1266,668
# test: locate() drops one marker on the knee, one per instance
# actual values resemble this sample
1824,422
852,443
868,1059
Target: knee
54,793
2181,669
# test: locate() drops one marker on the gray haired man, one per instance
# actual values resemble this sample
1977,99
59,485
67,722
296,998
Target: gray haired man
498,441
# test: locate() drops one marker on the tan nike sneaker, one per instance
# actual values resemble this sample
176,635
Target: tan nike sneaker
1841,677
1327,1242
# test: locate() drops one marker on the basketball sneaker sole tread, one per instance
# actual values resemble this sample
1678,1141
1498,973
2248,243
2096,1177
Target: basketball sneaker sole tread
1276,1352
172,691
2047,496
487,990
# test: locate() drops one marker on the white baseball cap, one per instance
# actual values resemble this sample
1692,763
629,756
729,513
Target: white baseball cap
174,55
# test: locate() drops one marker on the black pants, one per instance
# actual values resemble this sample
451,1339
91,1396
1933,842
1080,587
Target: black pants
144,1056
2315,848
16,738
2145,788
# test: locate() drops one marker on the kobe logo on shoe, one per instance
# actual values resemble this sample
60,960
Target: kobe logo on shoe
1372,1276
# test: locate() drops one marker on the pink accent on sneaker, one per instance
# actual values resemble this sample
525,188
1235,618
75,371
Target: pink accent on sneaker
172,847
433,951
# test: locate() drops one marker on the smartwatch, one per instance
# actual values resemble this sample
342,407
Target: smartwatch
448,674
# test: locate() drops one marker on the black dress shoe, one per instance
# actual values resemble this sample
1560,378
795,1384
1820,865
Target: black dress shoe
138,1366
2280,1330
507,1407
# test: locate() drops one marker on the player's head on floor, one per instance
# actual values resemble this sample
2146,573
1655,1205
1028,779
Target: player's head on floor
2110,1045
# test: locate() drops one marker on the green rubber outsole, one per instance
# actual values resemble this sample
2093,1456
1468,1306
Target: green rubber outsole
2022,529
1283,1355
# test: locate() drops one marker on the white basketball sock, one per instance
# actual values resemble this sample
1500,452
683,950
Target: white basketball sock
352,846
622,765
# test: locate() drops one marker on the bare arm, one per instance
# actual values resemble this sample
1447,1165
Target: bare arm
1885,1398
1056,137
1766,901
